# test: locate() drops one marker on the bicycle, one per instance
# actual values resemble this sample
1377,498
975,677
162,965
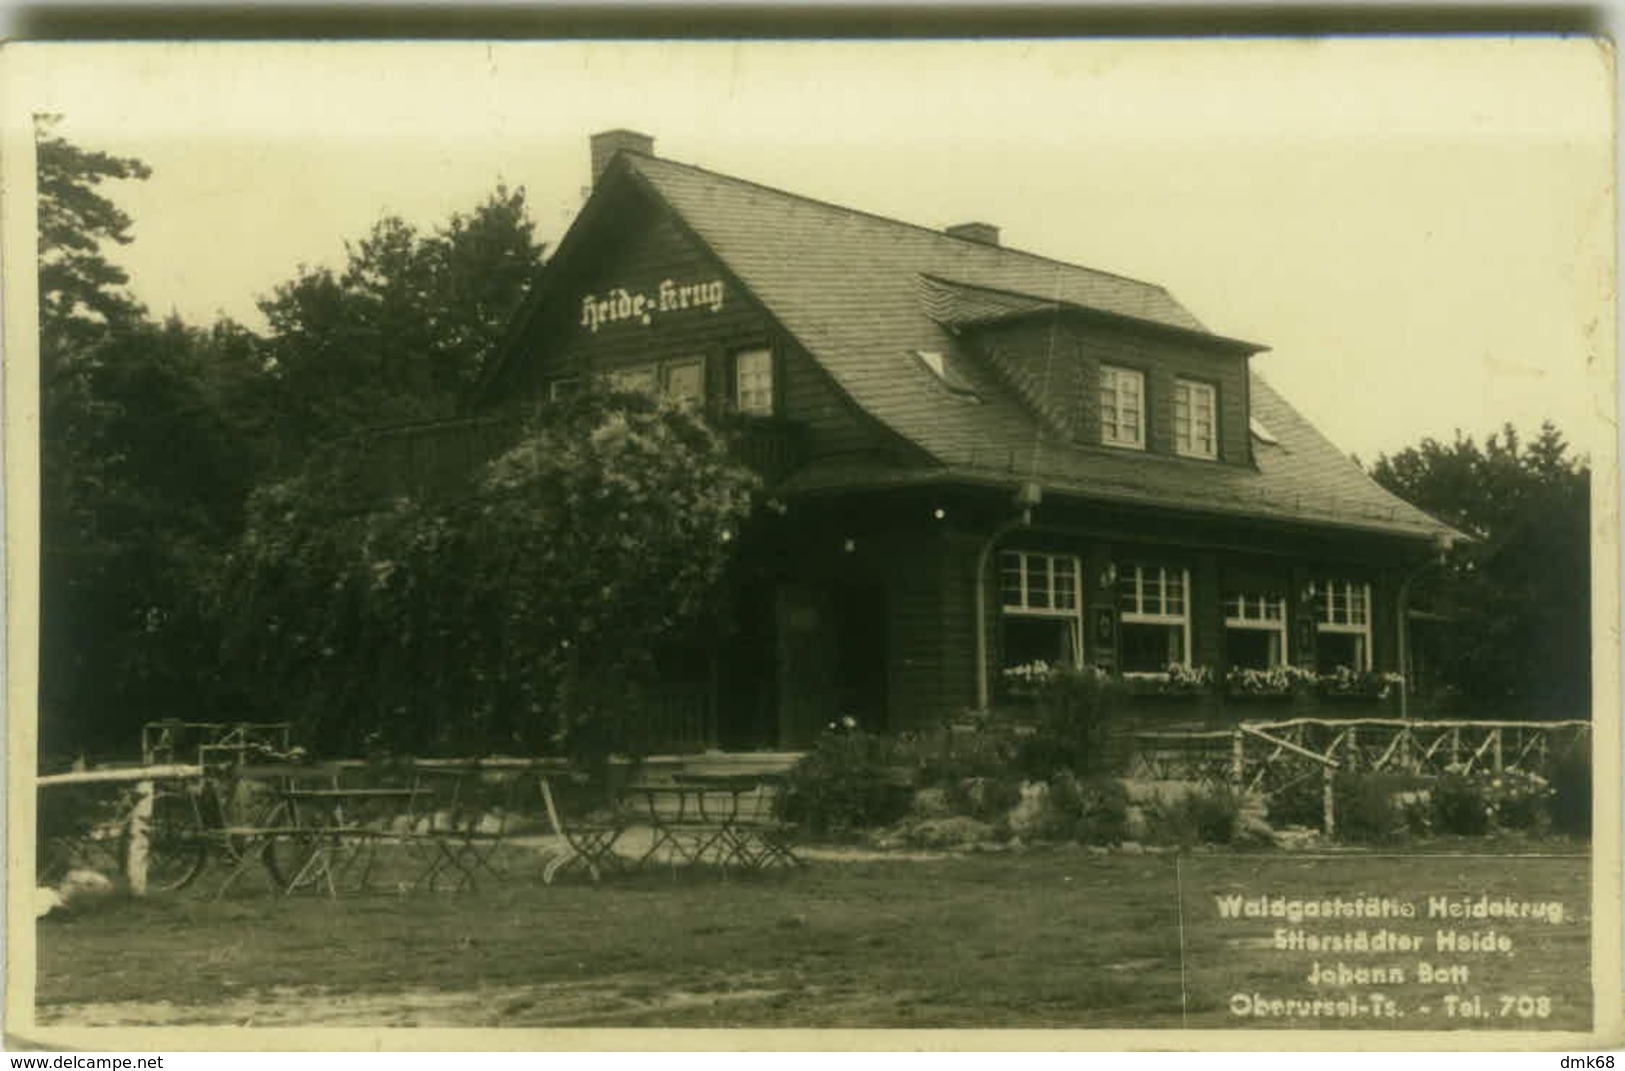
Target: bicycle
190,820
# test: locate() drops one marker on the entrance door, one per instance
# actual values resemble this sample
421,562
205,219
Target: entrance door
807,665
860,654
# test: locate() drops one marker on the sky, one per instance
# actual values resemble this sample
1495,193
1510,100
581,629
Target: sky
1421,231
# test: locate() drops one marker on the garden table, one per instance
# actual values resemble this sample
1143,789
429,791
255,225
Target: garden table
336,830
729,816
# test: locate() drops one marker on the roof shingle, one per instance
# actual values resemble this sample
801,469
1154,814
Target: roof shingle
863,294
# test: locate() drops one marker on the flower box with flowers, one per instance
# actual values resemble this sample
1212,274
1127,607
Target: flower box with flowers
1025,681
1277,682
1344,683
1177,681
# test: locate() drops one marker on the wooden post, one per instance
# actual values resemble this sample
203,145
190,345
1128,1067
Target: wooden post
1351,748
1328,823
1497,752
1238,759
135,861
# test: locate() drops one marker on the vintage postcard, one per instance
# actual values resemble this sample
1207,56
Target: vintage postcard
1015,544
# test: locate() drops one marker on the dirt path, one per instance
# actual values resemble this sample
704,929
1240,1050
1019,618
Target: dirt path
627,1000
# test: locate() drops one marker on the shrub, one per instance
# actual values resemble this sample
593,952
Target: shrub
1298,803
984,798
1091,811
1365,808
1075,709
1203,816
1459,805
1571,794
1473,804
844,783
949,757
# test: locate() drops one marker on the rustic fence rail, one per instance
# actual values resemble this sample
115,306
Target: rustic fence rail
1266,758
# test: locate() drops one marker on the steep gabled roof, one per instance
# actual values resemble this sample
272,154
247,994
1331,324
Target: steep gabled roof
865,295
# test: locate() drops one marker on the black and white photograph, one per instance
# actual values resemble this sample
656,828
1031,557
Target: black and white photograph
1115,540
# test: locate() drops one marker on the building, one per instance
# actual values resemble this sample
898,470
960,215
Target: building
987,459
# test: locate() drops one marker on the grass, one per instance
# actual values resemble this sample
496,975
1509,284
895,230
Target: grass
1048,939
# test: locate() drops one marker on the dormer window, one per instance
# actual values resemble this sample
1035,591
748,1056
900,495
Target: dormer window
1122,407
1195,419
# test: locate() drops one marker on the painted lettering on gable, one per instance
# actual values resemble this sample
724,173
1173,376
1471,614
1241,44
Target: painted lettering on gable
620,305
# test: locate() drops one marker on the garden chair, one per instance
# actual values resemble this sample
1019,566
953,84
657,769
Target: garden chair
587,828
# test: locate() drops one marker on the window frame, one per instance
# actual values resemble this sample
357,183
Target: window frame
1186,390
658,375
1073,615
1325,616
1139,616
737,359
1109,379
1264,623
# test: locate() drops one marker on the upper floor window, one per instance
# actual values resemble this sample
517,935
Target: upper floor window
1195,418
1154,616
681,380
1343,625
753,382
1043,606
1255,630
1122,407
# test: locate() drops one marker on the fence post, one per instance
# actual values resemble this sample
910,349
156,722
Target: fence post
1351,747
1497,738
1238,759
1328,806
135,862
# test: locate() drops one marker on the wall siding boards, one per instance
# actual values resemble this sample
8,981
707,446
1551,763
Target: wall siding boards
641,250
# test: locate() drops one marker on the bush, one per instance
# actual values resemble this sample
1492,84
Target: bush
1571,794
1473,804
1092,811
984,798
844,783
1459,806
1075,710
1365,808
1299,803
949,757
1203,816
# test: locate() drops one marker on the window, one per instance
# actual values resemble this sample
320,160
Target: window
1342,625
753,379
1154,611
1255,630
684,381
681,380
642,379
1122,407
1043,607
1195,416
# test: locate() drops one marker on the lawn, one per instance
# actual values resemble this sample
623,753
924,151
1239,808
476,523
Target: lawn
1060,938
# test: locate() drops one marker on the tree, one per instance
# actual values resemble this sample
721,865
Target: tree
1519,594
523,615
399,333
81,293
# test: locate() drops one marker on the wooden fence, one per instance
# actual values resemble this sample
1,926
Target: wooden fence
1269,757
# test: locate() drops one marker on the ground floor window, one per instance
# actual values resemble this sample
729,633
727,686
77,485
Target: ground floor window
1255,630
1042,608
1154,629
1342,625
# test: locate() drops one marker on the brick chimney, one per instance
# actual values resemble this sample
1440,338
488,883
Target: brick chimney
986,233
606,144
